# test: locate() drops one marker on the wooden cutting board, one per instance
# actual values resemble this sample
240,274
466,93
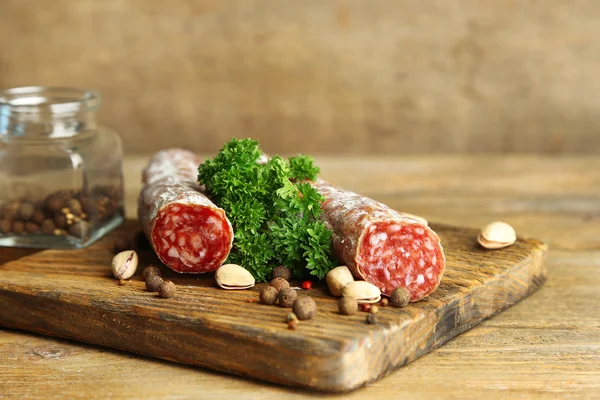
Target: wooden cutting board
72,294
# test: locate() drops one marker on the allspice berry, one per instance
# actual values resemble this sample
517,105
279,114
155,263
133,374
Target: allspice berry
268,295
287,296
280,283
18,227
38,217
153,283
151,270
60,221
75,206
167,289
305,308
79,229
5,226
26,211
31,227
400,297
282,272
371,319
348,305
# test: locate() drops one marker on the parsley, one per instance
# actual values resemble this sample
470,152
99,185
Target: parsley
274,214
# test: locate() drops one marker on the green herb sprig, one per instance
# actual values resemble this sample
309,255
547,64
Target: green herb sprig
274,213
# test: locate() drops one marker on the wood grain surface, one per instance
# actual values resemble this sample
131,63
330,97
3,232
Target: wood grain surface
72,294
547,347
343,76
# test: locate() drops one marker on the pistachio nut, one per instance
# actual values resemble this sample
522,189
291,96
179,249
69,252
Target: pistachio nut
124,264
362,291
233,276
497,235
337,278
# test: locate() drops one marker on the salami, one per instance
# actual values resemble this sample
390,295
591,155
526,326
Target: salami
382,246
187,231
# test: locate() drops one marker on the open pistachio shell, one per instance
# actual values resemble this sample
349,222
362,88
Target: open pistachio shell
234,277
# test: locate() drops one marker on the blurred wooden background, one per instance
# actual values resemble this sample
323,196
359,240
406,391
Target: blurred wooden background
355,76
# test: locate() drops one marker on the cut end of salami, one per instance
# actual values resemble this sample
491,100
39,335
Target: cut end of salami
191,239
393,255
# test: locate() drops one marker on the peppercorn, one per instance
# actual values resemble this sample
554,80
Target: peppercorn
291,317
366,307
18,227
153,283
348,305
371,319
281,271
268,295
151,270
383,302
306,285
60,221
280,283
75,206
287,296
30,227
11,211
305,308
38,217
400,297
167,289
56,200
374,310
5,226
121,244
79,229
26,211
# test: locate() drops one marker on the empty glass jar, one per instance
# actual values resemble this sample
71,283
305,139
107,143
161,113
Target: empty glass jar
61,180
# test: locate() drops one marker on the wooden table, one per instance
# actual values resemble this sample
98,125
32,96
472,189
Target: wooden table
548,346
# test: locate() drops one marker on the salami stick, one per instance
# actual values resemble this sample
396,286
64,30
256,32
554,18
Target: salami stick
187,231
382,246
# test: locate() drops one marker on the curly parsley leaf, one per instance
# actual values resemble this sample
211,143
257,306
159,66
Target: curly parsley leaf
303,168
274,214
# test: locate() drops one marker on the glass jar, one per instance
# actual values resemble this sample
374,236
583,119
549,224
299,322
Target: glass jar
61,178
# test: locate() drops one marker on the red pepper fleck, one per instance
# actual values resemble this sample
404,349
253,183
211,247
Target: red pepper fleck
251,300
366,307
306,285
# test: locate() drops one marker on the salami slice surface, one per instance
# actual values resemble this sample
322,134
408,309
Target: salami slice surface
187,231
380,245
